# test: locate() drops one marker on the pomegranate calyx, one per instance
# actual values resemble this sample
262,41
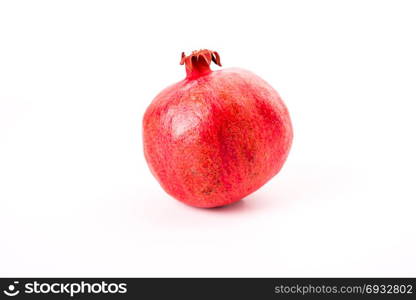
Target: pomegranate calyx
198,62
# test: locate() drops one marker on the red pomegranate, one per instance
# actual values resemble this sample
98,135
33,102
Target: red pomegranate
216,136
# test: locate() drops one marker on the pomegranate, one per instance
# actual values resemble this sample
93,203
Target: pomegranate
216,136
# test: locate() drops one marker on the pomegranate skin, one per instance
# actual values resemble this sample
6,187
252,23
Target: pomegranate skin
216,137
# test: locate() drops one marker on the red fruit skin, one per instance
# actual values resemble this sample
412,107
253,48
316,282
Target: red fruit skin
214,139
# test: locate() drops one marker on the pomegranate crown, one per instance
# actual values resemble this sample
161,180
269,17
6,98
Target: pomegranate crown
197,63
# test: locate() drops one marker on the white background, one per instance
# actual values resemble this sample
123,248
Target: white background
77,198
